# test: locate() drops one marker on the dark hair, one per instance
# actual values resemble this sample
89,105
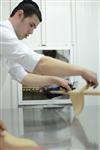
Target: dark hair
29,7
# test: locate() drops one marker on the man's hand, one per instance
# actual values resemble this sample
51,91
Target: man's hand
2,128
61,82
90,77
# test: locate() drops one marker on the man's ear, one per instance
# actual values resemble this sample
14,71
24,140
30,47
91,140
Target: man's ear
20,14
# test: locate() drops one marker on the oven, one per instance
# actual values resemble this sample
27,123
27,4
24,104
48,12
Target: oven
42,96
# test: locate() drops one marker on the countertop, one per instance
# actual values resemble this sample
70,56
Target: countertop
56,128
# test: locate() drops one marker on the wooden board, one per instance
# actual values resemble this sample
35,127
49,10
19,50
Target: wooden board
92,91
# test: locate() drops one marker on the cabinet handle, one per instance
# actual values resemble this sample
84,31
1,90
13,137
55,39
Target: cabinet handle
43,45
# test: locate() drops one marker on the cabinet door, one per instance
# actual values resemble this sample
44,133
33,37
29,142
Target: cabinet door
4,9
57,23
33,40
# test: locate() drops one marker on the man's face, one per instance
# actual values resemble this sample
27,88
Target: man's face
26,26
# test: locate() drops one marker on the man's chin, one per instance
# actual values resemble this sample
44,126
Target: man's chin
21,38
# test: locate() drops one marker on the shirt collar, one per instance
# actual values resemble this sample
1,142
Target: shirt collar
10,26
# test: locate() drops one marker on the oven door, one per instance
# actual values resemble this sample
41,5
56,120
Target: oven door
32,96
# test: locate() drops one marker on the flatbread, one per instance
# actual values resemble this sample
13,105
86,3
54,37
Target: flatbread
77,98
21,142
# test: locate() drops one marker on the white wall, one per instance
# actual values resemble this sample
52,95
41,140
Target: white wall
99,48
7,96
87,29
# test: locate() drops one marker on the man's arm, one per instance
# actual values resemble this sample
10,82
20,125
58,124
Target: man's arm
55,67
44,80
50,71
35,80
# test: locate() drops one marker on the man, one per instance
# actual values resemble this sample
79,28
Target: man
25,65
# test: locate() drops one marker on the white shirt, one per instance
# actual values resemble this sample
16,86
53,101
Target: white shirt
21,59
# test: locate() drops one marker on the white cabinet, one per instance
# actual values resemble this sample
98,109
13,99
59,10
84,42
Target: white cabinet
4,9
56,30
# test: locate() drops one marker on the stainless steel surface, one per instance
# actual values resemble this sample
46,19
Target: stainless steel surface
56,128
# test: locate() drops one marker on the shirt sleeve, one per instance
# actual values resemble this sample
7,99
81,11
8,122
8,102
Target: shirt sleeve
15,50
17,72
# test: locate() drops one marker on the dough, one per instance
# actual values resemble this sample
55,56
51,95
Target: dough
21,142
77,98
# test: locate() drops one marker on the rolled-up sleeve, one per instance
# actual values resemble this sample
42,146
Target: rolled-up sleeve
17,72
